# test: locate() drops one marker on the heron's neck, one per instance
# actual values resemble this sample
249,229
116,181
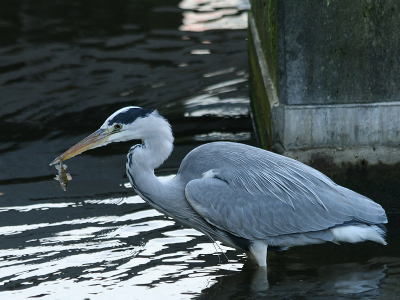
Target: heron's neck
141,162
154,150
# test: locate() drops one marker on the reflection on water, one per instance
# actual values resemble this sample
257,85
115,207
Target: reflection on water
209,103
209,15
141,249
109,250
64,67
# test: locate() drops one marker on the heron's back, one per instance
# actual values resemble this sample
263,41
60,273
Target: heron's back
265,175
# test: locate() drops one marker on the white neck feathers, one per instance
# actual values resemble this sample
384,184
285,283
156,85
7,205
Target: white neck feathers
156,134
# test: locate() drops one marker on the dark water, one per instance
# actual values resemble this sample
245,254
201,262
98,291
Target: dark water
65,66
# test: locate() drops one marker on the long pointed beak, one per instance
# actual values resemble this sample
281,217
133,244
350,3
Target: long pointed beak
96,139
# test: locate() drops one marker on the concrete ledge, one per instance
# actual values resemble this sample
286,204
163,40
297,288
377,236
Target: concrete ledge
337,126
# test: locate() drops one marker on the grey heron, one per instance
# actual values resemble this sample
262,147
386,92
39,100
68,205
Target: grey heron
247,198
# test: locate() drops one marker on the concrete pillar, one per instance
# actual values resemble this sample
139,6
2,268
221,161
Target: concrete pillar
325,78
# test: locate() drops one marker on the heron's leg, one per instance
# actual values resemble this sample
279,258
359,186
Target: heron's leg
259,280
258,250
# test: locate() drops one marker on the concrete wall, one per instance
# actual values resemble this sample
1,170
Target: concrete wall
338,51
331,78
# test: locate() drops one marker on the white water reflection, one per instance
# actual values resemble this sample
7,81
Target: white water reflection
205,105
100,256
200,52
74,257
215,101
40,206
140,253
202,15
219,72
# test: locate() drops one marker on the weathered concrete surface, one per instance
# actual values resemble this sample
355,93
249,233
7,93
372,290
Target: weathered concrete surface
265,18
262,88
335,91
338,51
338,126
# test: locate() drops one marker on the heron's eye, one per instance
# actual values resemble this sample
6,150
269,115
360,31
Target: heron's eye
117,126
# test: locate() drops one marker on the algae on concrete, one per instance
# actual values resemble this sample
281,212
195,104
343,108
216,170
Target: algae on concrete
265,16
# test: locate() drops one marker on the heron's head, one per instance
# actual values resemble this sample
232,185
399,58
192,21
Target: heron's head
128,123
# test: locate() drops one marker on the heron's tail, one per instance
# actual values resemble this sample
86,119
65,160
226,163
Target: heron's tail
359,233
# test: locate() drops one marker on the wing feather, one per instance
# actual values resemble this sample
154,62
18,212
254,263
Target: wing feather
257,194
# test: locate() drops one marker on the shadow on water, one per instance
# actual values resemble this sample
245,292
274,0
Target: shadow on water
67,65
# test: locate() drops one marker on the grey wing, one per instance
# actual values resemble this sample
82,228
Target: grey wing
273,196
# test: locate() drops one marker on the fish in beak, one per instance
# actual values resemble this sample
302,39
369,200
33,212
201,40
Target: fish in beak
62,176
